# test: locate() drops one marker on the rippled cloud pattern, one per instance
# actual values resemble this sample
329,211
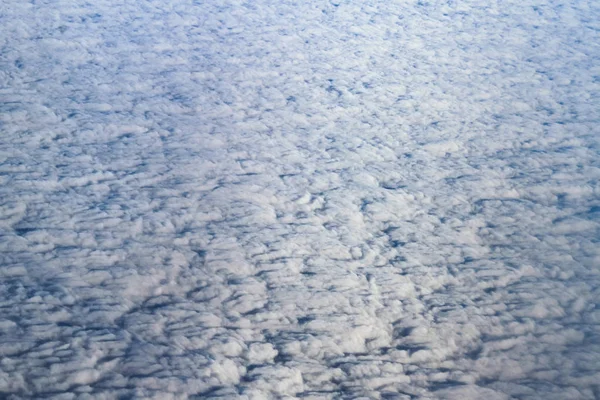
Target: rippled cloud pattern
299,199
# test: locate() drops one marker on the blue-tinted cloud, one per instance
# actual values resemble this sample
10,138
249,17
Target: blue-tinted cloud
315,200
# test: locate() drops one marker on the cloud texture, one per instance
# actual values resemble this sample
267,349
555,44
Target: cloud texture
301,199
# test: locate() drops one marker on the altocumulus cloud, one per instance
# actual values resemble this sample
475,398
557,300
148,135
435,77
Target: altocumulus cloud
313,199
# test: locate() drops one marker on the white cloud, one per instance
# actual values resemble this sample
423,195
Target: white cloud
316,199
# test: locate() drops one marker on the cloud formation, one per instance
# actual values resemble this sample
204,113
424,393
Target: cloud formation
323,200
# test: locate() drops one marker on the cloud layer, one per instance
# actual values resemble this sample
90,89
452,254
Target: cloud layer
321,200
